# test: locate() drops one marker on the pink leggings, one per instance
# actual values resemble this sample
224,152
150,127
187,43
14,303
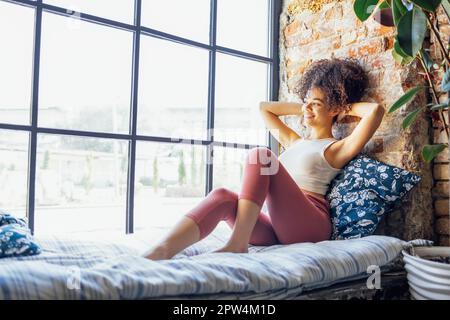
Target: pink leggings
294,216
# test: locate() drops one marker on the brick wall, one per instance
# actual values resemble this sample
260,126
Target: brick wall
315,29
441,162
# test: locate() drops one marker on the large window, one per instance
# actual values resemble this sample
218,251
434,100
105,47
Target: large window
120,115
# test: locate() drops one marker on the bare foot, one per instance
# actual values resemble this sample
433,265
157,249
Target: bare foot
228,248
157,253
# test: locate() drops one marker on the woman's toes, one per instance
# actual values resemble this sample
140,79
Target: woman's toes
232,249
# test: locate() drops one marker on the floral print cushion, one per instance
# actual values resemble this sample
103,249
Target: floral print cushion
6,218
363,192
15,237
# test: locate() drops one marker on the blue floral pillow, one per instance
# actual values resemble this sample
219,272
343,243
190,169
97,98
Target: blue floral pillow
6,218
363,192
15,237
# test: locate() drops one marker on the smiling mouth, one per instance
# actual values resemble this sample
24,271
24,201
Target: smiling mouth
308,116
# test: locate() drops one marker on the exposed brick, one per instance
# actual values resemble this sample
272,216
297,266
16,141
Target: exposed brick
441,207
441,189
297,67
443,156
440,136
377,63
444,241
445,31
335,12
443,226
369,48
336,42
303,37
437,123
349,38
441,171
292,28
385,31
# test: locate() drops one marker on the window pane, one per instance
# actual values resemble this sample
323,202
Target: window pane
16,60
81,184
173,89
120,10
170,180
85,76
187,19
13,171
228,167
240,86
243,25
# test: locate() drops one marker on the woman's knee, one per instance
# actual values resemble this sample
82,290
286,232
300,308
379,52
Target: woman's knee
225,203
264,158
260,155
224,194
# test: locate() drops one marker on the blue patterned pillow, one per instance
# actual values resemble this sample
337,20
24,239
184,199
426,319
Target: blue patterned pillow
16,240
6,218
15,237
363,192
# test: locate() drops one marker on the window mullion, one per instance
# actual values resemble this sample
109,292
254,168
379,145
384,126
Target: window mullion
34,118
133,120
274,27
211,96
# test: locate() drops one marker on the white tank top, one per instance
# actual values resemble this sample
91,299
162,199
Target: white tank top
306,164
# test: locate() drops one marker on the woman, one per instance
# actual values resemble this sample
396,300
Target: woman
294,184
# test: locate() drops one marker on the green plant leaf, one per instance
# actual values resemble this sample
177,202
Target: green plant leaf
384,5
408,96
364,8
398,58
410,118
445,86
439,106
429,5
401,60
398,10
427,59
411,31
399,55
429,151
399,50
446,6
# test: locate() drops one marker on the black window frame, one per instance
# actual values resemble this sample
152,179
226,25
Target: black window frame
33,129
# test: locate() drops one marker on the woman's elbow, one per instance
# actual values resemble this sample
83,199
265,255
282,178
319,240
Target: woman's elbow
378,115
379,111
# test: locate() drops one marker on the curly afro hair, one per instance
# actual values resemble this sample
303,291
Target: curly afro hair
343,82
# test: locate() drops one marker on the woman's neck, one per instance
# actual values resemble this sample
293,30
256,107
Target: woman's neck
321,134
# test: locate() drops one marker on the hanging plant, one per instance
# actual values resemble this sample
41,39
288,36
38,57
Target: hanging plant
413,20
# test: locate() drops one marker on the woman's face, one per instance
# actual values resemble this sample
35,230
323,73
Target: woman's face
315,110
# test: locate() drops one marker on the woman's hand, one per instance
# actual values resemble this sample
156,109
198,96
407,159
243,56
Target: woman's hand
341,116
344,113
